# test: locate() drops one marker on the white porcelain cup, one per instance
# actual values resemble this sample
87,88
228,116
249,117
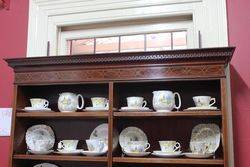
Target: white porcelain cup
136,146
39,103
136,102
199,147
170,146
67,145
96,145
204,101
41,145
99,102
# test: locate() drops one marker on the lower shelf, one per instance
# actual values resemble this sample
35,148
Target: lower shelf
60,158
168,161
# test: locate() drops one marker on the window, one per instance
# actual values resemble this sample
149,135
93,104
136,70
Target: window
129,43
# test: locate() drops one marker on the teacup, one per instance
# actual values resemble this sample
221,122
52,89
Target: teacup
67,145
39,103
96,145
199,147
204,101
136,102
136,146
170,146
99,102
41,145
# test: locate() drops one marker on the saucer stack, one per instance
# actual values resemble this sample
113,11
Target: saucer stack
205,140
134,142
169,149
40,139
135,104
38,105
98,104
68,147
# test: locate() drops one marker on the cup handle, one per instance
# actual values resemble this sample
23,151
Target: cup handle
148,146
107,103
144,103
46,104
179,98
61,145
177,146
80,107
213,102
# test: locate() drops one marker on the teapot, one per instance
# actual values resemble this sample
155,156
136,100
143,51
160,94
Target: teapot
69,102
164,100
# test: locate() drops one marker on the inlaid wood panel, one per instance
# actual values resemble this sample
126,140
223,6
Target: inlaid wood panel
131,73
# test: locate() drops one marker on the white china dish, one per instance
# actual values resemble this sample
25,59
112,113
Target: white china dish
204,101
170,146
131,134
136,146
39,132
167,154
135,101
41,152
32,109
135,109
97,145
93,153
69,152
198,156
45,165
101,132
39,103
67,145
202,108
100,102
95,109
207,133
136,154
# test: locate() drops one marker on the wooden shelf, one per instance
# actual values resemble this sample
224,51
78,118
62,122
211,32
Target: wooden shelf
60,158
168,161
170,114
60,115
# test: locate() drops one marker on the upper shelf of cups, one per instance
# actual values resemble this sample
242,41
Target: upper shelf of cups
141,96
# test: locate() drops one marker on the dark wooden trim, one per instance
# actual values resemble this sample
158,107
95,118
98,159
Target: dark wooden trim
208,54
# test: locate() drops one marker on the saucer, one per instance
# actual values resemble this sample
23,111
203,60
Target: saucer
93,153
66,152
137,154
40,152
95,109
199,156
167,154
202,108
135,109
31,109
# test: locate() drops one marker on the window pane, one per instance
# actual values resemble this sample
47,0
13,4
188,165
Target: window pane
180,40
82,46
107,45
159,41
132,43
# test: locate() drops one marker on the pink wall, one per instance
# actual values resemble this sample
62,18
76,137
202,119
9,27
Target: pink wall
13,38
239,35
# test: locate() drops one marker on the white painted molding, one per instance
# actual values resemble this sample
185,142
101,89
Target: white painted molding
47,16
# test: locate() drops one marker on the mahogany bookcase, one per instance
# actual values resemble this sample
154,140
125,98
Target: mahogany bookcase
116,76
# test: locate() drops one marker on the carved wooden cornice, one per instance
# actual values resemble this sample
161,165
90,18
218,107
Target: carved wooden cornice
222,55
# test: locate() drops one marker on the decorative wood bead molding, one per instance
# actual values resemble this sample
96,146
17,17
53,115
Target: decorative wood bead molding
178,56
